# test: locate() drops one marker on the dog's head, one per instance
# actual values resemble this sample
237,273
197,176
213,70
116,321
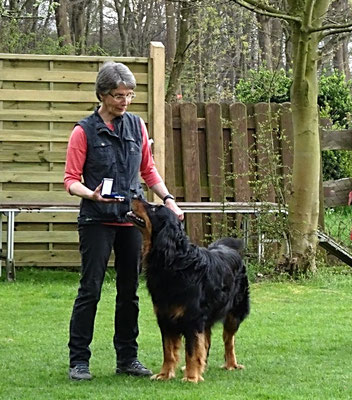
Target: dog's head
151,219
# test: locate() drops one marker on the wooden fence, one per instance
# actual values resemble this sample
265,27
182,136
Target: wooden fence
41,97
212,151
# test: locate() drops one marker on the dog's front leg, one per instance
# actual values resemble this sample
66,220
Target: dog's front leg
171,347
196,356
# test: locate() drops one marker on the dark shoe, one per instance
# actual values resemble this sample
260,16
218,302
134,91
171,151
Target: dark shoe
80,372
134,368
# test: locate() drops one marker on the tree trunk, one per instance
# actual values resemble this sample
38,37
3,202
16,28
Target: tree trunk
183,43
341,53
62,28
199,71
121,8
101,24
170,48
88,23
288,49
277,41
77,24
264,41
304,202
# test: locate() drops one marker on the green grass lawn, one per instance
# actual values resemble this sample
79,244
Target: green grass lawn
296,343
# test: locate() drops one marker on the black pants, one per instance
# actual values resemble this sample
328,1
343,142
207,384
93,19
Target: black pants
96,244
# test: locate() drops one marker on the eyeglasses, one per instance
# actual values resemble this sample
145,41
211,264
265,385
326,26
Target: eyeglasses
119,97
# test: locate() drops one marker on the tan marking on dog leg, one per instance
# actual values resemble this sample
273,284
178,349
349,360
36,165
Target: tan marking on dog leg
207,340
171,347
230,328
177,312
196,362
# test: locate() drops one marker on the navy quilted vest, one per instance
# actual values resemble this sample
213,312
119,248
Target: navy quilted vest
111,154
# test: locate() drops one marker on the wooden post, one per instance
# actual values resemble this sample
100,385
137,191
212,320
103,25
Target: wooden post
157,106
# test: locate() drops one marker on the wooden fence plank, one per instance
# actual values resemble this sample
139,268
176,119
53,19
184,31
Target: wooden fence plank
77,96
27,196
32,75
191,172
169,151
178,161
27,59
11,135
286,128
32,156
264,146
47,258
189,131
215,162
29,177
336,140
215,153
35,217
45,237
50,258
51,115
276,154
240,151
336,192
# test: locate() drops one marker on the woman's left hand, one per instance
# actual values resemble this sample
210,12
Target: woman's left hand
171,204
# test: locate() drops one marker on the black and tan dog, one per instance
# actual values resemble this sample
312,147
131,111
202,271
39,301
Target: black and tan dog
191,288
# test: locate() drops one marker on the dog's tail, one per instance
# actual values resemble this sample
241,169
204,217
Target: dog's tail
233,243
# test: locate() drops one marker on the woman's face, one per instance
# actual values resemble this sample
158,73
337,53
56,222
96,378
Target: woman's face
117,100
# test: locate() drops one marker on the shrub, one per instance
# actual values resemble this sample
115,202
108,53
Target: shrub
264,86
334,100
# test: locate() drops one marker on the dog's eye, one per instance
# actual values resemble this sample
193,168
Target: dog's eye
153,209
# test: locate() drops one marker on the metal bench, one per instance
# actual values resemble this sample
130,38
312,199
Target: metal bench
10,210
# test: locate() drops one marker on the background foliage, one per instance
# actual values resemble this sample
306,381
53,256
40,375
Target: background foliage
223,44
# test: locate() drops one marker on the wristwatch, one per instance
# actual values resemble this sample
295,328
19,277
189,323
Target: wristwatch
168,196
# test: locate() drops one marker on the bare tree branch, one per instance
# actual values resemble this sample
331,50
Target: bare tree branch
336,31
264,9
333,27
330,46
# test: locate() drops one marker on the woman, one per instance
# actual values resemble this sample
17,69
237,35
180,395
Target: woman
110,143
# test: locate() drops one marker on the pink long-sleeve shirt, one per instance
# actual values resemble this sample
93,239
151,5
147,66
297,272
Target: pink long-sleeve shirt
76,157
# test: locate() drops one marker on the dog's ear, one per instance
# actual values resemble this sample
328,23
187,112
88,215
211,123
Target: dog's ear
170,241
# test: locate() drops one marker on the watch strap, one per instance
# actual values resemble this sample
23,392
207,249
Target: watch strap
168,196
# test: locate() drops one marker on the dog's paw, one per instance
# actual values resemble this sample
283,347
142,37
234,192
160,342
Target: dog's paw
231,367
193,379
162,376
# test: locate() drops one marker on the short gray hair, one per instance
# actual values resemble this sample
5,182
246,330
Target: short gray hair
111,75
